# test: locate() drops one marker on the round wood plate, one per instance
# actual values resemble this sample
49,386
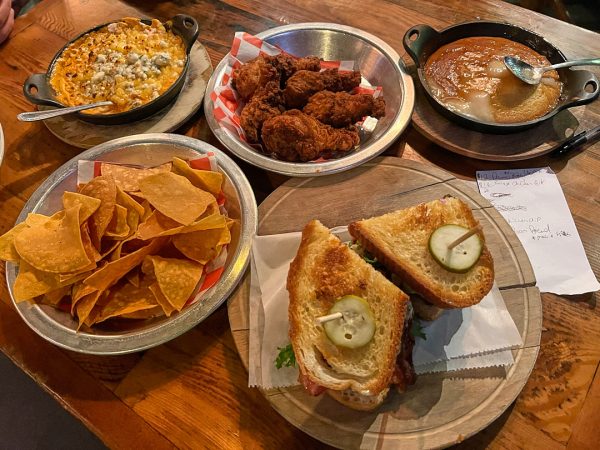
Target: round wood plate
81,134
526,144
440,409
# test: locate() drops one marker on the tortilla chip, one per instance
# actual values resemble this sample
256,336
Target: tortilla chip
55,246
31,282
135,211
7,243
85,305
125,299
160,225
133,277
161,299
89,205
104,189
177,278
206,180
175,197
202,246
54,297
145,314
109,274
118,227
34,219
90,250
127,177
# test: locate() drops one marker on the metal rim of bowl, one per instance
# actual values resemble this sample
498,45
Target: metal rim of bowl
159,333
396,127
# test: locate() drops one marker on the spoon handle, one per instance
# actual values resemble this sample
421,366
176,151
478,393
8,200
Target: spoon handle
43,115
579,62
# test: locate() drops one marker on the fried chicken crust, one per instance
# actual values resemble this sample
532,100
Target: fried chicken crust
266,102
304,84
340,109
295,136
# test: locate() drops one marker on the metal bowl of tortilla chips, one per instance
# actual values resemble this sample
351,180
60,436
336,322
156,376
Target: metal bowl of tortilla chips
146,271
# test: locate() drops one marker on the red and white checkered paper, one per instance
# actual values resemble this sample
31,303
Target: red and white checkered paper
86,170
246,47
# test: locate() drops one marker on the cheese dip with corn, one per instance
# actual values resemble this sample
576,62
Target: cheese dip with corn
127,62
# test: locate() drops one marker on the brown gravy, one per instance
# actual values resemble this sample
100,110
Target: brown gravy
469,77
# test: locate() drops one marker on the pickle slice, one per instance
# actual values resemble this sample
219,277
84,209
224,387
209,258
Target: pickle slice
460,258
356,327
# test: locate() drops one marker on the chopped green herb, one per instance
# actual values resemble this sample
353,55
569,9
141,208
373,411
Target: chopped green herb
286,357
417,329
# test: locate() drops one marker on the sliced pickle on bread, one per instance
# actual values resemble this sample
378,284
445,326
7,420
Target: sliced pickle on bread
459,258
355,328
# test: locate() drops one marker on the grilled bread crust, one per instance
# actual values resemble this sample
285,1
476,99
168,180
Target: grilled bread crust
353,400
324,270
400,241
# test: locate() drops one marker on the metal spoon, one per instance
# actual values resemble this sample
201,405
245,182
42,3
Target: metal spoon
43,115
533,75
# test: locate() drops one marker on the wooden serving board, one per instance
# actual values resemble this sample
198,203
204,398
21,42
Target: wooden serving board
531,143
440,409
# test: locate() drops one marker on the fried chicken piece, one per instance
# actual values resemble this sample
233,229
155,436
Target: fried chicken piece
304,84
253,75
341,109
287,65
262,69
266,102
295,136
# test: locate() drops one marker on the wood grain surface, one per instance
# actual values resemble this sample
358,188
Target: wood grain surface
193,392
442,408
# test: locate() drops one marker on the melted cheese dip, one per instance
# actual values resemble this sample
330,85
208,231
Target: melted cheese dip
128,62
469,77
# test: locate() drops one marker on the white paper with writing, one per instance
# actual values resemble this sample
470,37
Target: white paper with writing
533,203
460,339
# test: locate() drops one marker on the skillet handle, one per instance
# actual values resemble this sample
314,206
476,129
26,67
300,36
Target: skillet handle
187,27
416,39
589,88
37,90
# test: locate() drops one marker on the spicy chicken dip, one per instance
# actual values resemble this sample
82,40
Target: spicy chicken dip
469,77
127,62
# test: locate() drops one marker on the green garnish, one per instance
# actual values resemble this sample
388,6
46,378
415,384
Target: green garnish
417,329
286,357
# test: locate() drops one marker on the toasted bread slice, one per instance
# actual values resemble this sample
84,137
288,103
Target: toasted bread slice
323,271
399,240
356,401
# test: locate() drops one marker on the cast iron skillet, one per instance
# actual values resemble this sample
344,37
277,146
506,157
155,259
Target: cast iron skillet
421,41
37,87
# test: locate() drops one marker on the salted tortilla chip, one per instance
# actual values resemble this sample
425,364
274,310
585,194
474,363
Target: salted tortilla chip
162,300
89,205
177,278
85,305
125,299
133,277
31,282
206,180
127,177
90,250
54,297
202,246
7,243
145,314
160,225
175,197
118,227
109,274
55,246
34,219
135,211
104,189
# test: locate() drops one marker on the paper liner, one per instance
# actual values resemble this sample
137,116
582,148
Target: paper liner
86,170
467,338
227,106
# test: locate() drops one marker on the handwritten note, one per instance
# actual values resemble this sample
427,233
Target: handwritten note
533,203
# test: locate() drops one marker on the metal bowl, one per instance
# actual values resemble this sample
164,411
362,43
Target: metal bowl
379,63
59,327
421,41
37,88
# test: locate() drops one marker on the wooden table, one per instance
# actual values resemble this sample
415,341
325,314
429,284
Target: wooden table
192,392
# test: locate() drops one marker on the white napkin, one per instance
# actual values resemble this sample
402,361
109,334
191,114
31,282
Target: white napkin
459,339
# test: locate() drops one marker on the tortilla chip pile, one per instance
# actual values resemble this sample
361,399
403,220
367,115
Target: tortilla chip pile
131,243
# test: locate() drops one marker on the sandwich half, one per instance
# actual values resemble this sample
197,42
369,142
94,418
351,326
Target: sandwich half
400,242
324,271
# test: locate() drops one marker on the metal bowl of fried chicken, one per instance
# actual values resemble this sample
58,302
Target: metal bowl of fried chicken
301,119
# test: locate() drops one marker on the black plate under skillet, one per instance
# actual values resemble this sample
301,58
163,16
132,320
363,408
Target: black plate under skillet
37,88
421,41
